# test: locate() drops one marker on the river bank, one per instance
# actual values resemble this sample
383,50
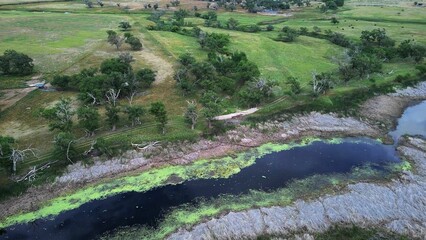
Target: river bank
398,206
133,162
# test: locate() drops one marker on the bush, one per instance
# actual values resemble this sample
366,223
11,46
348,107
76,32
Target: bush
134,43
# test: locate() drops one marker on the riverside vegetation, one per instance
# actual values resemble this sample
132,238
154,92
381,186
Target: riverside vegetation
121,76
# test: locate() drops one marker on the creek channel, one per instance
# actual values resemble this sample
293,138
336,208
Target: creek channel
270,172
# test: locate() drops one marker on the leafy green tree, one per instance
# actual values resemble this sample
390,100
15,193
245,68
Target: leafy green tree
334,20
270,28
159,111
232,23
134,43
109,66
112,116
114,39
294,85
366,64
288,34
14,63
134,112
212,106
257,91
91,89
146,77
376,37
61,81
191,114
124,26
5,151
409,48
186,59
321,83
64,146
216,42
60,116
89,119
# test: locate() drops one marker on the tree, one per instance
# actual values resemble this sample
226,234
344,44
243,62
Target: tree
116,65
14,63
19,155
146,77
366,63
89,119
112,116
215,42
64,144
191,114
114,39
61,81
288,35
88,3
126,58
409,48
124,26
212,106
294,85
159,111
175,3
321,83
376,37
186,59
334,20
60,116
134,112
270,28
134,43
257,91
340,3
6,150
232,23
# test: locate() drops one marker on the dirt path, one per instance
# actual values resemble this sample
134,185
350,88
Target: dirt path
163,68
11,96
237,114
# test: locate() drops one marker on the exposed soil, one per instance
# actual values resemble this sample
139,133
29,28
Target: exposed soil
11,96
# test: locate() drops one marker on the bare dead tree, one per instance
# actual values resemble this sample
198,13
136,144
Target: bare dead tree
31,175
94,101
145,146
20,155
112,96
92,147
191,114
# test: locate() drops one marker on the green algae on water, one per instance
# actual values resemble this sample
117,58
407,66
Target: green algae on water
171,174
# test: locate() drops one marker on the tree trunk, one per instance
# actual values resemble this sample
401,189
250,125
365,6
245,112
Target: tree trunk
193,126
14,166
113,128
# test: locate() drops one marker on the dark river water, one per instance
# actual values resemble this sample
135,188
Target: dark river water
270,172
412,122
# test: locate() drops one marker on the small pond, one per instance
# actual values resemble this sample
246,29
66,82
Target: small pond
412,122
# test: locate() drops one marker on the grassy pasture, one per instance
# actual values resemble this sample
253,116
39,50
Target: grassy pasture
276,60
55,41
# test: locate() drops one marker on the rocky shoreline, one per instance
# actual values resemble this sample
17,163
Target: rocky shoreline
399,206
369,124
